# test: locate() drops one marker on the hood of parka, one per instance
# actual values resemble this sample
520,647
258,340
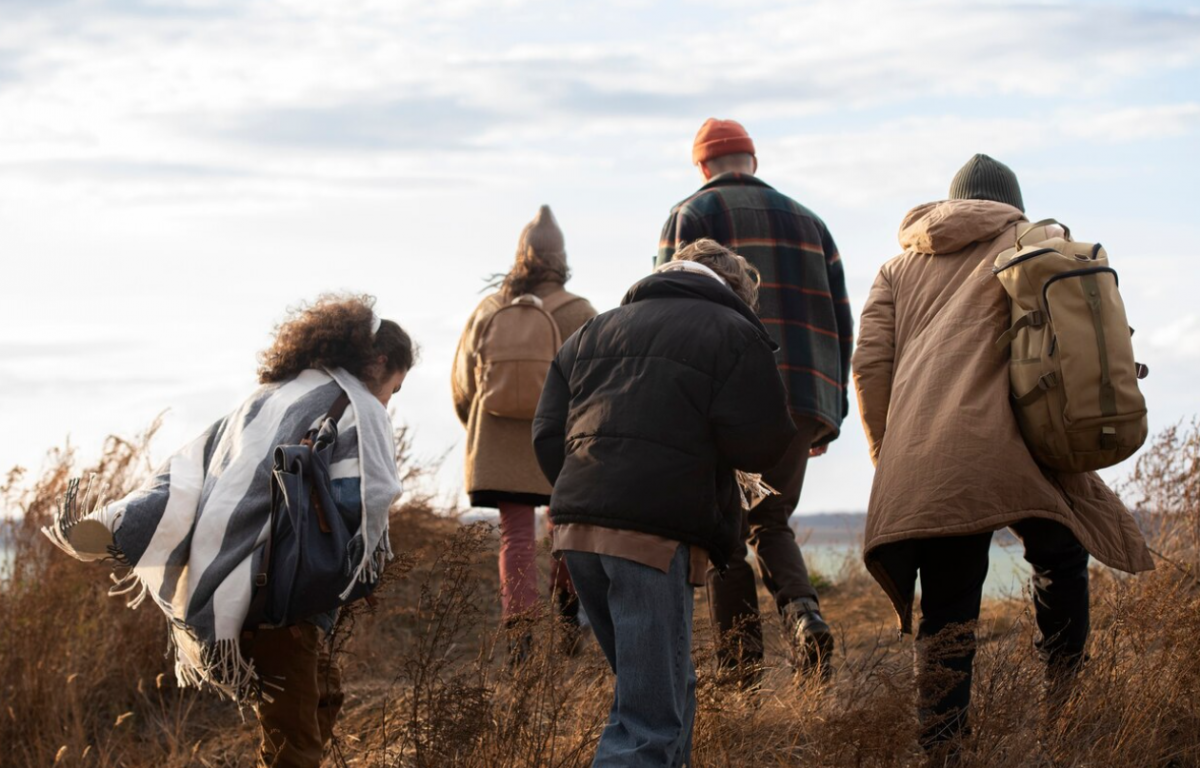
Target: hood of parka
689,285
949,226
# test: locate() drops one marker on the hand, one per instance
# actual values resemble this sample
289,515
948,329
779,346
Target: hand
818,450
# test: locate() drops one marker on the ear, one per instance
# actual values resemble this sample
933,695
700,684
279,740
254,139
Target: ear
755,159
705,172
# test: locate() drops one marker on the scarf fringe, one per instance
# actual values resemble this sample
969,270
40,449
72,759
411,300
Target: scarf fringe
70,511
752,489
222,669
371,568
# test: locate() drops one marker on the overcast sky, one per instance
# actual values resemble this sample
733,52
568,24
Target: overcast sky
174,175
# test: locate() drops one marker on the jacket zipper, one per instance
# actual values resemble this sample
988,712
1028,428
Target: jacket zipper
1073,273
1019,259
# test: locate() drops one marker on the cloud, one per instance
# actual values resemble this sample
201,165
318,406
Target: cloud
1137,123
208,100
412,125
1178,340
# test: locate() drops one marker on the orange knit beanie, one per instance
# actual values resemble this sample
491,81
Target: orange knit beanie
718,138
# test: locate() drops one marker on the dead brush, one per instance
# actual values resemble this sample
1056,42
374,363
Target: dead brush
428,682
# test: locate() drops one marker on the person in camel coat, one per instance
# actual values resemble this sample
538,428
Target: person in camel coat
501,471
951,466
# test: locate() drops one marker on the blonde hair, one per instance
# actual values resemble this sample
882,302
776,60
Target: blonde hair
740,275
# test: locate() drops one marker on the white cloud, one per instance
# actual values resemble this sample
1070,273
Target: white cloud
1136,123
266,90
1178,340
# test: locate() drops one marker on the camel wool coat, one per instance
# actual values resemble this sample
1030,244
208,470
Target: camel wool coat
933,391
500,463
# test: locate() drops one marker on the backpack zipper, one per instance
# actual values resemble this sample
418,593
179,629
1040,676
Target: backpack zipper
1073,273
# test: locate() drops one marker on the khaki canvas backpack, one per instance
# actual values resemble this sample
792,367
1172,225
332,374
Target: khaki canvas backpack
1074,379
516,346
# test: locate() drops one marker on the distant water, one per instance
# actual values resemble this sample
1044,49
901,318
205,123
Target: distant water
1008,573
830,543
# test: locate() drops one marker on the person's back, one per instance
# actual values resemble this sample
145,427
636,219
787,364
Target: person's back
651,446
802,296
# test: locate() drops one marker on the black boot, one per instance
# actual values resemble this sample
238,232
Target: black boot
810,635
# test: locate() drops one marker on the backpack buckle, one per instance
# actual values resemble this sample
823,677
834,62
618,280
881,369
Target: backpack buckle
260,580
1048,381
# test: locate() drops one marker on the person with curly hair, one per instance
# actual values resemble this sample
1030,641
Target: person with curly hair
501,471
197,534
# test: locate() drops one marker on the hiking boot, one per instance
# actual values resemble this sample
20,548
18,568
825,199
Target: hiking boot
812,639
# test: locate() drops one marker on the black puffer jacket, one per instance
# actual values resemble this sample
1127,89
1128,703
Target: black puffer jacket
649,407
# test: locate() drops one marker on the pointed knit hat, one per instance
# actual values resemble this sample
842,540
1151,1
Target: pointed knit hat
983,178
542,235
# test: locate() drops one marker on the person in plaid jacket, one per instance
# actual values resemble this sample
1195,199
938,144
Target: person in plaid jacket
805,308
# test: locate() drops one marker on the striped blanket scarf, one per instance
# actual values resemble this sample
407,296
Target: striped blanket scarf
190,532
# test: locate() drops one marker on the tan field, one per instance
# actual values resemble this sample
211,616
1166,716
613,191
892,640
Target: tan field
87,682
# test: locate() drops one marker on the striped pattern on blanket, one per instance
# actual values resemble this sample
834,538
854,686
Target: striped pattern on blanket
191,531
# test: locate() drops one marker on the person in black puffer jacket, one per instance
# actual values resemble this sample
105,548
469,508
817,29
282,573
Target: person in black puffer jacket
645,415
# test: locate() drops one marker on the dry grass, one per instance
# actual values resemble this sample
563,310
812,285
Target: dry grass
85,681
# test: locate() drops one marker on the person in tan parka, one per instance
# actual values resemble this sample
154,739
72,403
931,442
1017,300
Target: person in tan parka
950,463
501,470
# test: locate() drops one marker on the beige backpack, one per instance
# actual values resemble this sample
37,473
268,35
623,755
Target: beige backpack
1074,379
516,346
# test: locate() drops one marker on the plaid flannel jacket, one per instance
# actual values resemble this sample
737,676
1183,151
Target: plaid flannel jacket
803,300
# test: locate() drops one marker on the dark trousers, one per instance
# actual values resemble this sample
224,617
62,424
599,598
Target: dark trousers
305,686
733,596
952,572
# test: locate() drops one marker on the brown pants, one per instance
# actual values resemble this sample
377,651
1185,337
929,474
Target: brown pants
298,724
733,597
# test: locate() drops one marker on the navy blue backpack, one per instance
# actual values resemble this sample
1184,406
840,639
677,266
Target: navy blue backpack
307,560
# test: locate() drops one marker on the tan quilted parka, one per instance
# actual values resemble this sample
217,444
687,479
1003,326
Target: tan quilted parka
934,394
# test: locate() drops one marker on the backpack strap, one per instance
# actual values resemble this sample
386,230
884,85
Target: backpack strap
558,300
1034,319
339,407
1042,223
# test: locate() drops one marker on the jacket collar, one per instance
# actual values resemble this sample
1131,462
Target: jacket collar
733,179
688,285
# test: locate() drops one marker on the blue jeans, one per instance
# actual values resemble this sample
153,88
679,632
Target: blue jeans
642,619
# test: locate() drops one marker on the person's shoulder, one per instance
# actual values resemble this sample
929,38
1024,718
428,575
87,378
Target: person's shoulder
573,313
795,207
487,304
700,203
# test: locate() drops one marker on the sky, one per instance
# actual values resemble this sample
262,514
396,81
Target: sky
175,175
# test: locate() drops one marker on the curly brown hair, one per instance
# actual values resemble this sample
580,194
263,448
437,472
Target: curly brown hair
335,332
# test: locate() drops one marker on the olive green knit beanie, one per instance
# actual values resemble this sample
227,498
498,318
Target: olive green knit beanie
983,178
